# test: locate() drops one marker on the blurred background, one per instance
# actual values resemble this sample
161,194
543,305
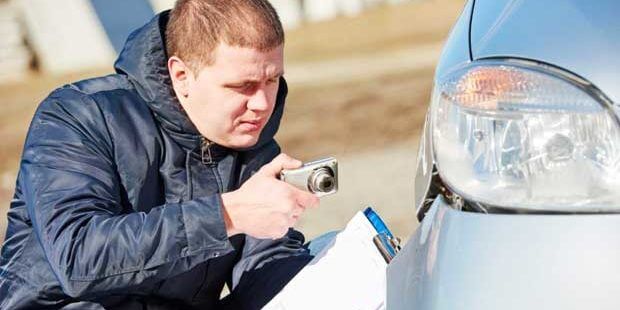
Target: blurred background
360,75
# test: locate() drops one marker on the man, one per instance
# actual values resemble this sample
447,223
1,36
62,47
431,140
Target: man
153,187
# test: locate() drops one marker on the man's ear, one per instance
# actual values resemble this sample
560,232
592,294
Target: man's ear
180,75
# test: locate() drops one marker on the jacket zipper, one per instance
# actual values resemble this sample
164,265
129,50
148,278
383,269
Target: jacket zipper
205,151
207,160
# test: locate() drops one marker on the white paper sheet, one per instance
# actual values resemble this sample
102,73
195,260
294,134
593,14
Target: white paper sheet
350,273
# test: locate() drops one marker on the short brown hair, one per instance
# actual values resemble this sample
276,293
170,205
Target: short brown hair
196,27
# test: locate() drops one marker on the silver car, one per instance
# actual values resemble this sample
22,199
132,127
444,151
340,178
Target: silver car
518,180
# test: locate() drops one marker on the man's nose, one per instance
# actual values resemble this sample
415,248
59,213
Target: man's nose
259,101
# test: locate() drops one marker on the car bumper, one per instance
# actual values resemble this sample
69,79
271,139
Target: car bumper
464,260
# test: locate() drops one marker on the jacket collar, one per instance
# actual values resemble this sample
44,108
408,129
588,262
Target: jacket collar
144,61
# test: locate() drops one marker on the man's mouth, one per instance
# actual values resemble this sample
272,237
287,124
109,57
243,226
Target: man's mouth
251,125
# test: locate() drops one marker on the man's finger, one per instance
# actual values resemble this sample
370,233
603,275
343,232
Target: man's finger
297,211
293,220
306,199
280,163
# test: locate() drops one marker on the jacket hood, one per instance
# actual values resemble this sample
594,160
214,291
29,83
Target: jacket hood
144,61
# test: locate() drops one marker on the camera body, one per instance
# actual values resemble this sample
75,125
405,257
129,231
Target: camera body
319,177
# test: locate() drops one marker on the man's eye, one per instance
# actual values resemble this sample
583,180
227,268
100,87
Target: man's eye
243,86
272,81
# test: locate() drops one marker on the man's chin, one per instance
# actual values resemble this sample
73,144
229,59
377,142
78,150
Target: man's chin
243,142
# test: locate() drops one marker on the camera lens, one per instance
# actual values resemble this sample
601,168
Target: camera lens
321,180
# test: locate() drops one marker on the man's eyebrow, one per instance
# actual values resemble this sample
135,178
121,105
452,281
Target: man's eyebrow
279,74
251,80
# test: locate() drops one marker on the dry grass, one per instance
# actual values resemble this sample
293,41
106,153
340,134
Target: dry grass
379,30
351,117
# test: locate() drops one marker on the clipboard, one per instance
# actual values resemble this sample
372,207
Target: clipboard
349,273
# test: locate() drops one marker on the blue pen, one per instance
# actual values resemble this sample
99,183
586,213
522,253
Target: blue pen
377,222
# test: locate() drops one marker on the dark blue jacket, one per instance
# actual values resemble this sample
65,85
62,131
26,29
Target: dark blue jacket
115,208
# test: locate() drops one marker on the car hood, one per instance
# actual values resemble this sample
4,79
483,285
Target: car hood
578,36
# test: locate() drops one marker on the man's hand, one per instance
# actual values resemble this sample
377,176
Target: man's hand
265,207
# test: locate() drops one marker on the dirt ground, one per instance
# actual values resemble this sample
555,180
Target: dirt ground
359,88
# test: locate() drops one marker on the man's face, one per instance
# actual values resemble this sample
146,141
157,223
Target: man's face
231,100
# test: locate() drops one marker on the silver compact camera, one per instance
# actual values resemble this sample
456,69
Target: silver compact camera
319,177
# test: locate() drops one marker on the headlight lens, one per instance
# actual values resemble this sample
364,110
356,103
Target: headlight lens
521,136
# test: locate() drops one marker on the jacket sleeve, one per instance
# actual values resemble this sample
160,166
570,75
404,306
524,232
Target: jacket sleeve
266,265
73,196
265,268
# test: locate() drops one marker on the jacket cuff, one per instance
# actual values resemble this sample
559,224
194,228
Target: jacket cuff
205,227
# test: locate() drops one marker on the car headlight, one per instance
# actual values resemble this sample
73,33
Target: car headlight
526,136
